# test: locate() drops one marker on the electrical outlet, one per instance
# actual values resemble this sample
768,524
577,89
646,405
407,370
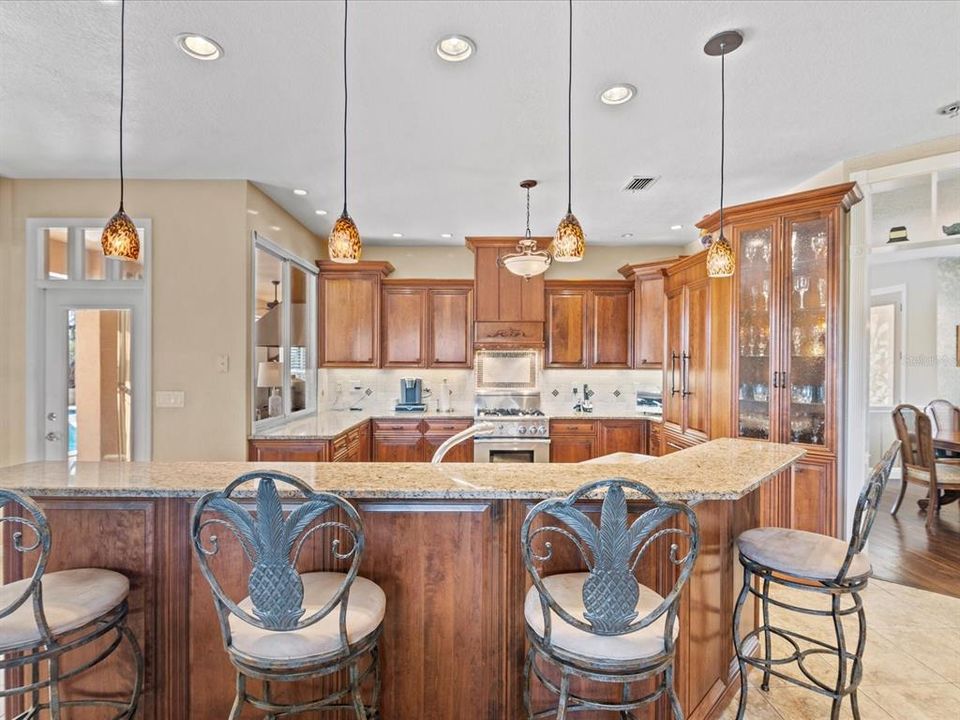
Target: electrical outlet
339,387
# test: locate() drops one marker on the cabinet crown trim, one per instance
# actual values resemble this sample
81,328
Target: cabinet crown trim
510,241
845,194
382,267
651,268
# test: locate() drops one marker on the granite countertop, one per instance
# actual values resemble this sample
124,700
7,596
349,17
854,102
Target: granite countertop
723,469
328,424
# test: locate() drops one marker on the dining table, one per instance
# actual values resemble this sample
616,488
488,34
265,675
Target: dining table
948,440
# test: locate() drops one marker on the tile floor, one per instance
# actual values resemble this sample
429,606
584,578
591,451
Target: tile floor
911,662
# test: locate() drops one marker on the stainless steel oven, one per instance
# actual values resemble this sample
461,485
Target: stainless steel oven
511,450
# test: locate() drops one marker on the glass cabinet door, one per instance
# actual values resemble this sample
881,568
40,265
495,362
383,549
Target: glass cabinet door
807,295
754,351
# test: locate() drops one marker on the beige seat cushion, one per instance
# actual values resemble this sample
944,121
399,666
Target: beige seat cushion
365,608
567,590
800,553
71,599
948,473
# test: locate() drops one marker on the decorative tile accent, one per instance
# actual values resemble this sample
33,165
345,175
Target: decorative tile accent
617,393
590,394
555,392
368,392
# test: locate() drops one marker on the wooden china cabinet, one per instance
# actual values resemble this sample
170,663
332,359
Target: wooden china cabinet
786,317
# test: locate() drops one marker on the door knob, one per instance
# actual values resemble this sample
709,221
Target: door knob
52,436
51,416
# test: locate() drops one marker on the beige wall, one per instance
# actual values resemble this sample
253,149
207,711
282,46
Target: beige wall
200,264
447,261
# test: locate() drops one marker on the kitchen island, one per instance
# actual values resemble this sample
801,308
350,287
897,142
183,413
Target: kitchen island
443,543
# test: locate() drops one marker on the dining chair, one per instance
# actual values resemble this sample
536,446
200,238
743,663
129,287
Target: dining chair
603,624
293,626
946,418
812,563
919,462
49,615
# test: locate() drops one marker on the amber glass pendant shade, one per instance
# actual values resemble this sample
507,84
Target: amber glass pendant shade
344,245
720,259
568,243
120,238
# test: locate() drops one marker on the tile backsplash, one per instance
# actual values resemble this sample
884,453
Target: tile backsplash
612,390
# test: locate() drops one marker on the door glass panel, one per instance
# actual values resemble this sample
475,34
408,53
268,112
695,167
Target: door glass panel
56,256
269,335
299,339
754,395
99,391
809,296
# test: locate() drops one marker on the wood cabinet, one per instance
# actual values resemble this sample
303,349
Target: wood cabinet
349,313
648,310
578,440
427,323
509,310
352,445
589,324
786,327
655,439
413,440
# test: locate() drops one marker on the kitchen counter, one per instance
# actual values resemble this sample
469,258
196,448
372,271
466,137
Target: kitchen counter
723,469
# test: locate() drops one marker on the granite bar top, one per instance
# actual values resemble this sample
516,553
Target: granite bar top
723,469
328,424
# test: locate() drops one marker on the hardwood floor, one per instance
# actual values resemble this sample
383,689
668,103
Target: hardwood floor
902,550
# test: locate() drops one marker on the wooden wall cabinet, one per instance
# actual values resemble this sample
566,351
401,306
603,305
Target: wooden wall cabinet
349,313
648,310
786,329
427,323
578,440
589,324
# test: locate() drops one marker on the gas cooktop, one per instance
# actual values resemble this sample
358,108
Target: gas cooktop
508,412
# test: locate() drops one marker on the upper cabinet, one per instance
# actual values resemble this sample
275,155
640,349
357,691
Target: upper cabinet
648,310
509,311
349,316
426,323
589,324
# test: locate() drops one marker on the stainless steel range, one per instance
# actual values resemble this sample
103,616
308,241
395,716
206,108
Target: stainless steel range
508,397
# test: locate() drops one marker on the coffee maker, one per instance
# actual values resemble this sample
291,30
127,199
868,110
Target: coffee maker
411,395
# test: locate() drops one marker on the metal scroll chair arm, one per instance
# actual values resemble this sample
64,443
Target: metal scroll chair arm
476,429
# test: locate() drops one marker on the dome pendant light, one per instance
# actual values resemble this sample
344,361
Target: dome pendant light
568,243
119,238
721,261
527,261
344,245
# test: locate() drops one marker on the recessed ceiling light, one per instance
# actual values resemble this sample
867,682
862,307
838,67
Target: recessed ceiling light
199,46
275,227
676,227
618,94
398,235
627,235
446,235
455,48
299,191
251,211
320,212
950,109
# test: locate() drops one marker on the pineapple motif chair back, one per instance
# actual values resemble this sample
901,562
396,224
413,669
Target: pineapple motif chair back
867,506
31,535
612,551
272,542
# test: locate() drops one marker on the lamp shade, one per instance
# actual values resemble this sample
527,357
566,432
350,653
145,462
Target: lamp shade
270,374
344,245
568,243
527,264
720,259
120,238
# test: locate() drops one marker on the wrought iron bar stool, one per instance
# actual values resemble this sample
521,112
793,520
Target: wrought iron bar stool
293,626
48,615
604,625
819,564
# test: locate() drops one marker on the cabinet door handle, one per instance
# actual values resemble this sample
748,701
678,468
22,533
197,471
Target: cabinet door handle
776,376
685,374
673,374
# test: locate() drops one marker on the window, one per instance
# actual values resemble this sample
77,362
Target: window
74,254
884,353
284,377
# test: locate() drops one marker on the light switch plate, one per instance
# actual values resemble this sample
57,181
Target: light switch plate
223,363
168,399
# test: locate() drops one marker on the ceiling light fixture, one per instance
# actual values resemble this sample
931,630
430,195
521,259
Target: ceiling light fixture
251,211
950,110
299,191
455,48
275,227
627,236
199,47
398,235
527,261
618,94
446,236
344,244
721,261
568,243
119,238
676,227
320,212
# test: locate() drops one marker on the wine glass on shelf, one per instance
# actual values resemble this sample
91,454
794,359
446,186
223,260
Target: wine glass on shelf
801,284
753,297
822,291
765,289
819,244
765,251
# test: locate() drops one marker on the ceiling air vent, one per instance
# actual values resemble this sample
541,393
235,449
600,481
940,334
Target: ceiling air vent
639,183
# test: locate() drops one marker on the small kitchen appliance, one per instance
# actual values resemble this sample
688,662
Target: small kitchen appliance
650,402
411,395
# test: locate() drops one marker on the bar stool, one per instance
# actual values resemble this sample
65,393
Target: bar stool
293,626
815,563
46,616
603,625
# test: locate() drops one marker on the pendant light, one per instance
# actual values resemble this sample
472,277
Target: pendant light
527,261
119,238
344,245
568,243
721,261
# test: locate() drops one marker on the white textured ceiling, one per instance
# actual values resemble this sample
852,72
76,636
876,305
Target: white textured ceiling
440,148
